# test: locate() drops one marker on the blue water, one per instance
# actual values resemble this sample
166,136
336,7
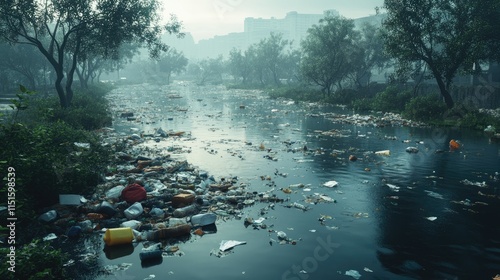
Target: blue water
378,231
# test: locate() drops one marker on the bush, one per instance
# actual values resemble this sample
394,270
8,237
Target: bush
40,145
478,120
424,108
34,261
391,100
362,105
88,110
48,162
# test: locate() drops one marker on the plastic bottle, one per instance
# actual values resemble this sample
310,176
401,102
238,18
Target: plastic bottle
186,211
203,219
133,211
170,232
115,192
107,208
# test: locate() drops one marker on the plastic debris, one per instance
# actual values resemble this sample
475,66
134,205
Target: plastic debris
331,184
383,153
454,145
70,199
393,187
229,244
412,150
353,273
431,218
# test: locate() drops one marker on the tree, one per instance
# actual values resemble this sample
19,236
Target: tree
74,27
211,69
271,52
172,61
370,55
447,35
25,61
239,65
329,52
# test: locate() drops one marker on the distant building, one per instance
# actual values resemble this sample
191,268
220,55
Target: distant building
293,27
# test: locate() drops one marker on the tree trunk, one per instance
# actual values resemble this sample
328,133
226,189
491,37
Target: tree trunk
445,93
59,88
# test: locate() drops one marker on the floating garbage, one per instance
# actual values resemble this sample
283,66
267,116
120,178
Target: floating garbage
477,184
393,187
229,244
353,273
331,184
281,235
431,218
203,219
383,153
117,236
412,150
133,211
454,145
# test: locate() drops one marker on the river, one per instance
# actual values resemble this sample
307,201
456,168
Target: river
425,215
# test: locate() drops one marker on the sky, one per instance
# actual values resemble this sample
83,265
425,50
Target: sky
206,18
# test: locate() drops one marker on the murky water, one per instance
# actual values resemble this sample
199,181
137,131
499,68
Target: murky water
403,216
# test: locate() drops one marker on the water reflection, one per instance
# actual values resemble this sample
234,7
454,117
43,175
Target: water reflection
381,218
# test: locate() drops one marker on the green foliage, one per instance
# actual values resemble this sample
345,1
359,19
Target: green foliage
48,162
391,99
362,104
449,35
89,110
478,120
35,261
22,101
424,108
41,147
330,52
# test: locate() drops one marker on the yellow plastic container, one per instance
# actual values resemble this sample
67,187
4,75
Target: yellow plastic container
116,236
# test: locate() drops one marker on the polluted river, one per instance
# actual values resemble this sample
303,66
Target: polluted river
294,191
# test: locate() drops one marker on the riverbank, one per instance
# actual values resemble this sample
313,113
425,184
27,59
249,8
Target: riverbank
426,108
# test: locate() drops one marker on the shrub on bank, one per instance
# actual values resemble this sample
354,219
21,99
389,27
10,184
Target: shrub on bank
424,108
52,150
390,100
34,261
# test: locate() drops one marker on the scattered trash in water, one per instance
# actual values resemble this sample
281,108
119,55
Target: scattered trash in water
477,184
431,218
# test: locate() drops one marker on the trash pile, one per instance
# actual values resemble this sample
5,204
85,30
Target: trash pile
156,200
380,120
